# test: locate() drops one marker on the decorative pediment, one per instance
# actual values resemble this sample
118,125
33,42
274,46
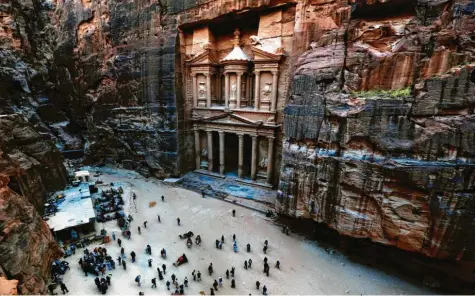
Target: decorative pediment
264,56
230,118
206,57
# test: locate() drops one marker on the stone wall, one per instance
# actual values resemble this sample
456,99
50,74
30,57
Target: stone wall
379,127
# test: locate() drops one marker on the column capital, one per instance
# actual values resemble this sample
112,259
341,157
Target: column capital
193,74
240,135
254,136
270,138
208,131
275,72
221,132
257,72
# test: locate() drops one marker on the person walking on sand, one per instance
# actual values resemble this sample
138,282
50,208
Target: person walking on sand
194,275
199,277
233,283
215,285
220,282
278,264
257,285
119,242
265,290
246,264
138,229
248,248
210,269
158,218
249,263
222,239
227,273
163,198
133,256
233,212
178,221
163,268
154,283
145,224
265,248
124,264
64,289
234,237
168,282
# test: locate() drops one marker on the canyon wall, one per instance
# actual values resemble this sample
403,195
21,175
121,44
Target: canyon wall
379,126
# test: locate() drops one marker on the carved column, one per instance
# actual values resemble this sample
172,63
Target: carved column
210,151
257,74
197,149
222,152
240,155
254,156
269,172
209,90
227,89
238,90
274,99
194,90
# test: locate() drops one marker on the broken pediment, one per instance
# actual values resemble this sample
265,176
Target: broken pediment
261,55
206,57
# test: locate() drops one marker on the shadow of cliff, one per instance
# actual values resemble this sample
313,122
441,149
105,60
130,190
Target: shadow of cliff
442,276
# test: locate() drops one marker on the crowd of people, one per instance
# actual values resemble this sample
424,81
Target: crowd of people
98,262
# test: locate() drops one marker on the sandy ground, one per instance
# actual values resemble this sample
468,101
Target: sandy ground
305,267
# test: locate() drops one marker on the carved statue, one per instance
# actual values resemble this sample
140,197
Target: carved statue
267,89
255,40
202,90
204,153
263,163
233,91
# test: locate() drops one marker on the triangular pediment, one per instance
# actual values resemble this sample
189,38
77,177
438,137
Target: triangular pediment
230,118
206,57
265,56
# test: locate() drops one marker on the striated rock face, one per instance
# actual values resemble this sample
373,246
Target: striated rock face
31,166
394,164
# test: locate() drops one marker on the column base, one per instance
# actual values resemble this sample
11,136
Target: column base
254,183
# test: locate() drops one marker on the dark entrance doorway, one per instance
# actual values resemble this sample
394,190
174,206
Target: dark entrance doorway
231,154
216,152
247,143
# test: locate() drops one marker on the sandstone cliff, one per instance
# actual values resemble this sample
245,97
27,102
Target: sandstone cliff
380,124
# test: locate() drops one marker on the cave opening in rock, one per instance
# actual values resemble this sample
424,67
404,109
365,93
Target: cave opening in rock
390,9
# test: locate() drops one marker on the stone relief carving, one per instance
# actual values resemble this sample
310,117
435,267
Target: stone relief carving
267,89
255,40
233,92
263,163
202,90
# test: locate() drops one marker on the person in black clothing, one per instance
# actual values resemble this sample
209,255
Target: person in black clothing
133,256
246,264
168,285
248,248
194,275
278,264
212,292
265,248
108,280
150,262
227,273
148,250
158,217
163,268
124,264
234,237
257,285
178,221
185,282
63,288
98,283
233,283
162,198
266,242
138,229
232,271
210,269
265,267
217,242
145,224
154,283
160,274
264,290
215,285
265,259
119,242
249,263
222,239
234,212
173,278
199,277
119,259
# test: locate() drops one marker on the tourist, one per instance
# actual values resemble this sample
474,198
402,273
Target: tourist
234,237
108,279
150,262
133,255
194,276
185,281
210,269
163,268
163,253
138,229
98,283
220,244
248,248
278,264
235,247
138,280
154,283
233,283
265,259
222,239
122,253
178,221
199,277
227,273
215,285
257,285
265,267
167,283
145,224
113,236
266,242
124,264
212,292
119,260
234,212
249,263
246,264
220,282
265,248
181,289
265,290
162,198
173,278
217,242
232,271
158,217
63,287
148,250
203,193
